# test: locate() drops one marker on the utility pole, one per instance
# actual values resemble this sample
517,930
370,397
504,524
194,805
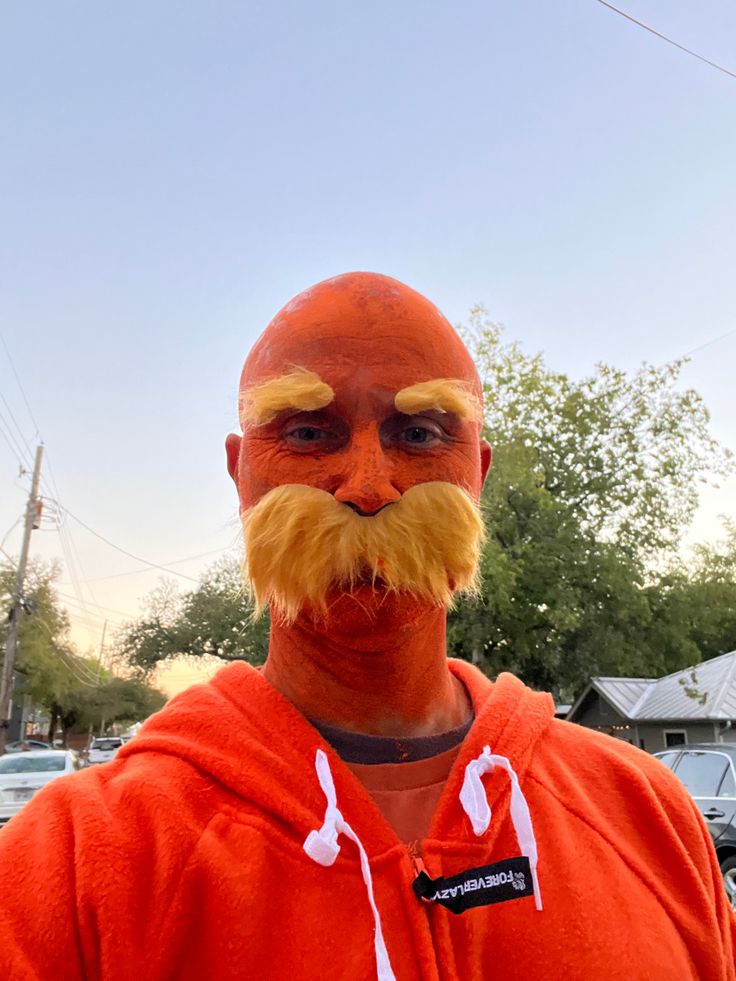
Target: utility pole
99,671
16,607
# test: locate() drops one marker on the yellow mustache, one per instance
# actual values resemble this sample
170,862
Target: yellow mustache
300,543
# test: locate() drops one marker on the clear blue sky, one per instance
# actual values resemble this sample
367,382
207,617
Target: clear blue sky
173,172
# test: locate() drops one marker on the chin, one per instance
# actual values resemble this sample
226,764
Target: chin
368,612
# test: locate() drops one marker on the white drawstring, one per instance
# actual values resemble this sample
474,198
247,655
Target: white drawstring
322,846
475,804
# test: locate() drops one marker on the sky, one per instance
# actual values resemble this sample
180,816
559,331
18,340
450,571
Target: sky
172,173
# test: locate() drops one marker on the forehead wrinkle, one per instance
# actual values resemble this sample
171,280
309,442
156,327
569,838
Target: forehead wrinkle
440,395
298,389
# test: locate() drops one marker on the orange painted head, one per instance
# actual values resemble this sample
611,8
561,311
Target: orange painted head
360,389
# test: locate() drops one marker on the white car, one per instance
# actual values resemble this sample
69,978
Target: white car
22,774
103,749
22,745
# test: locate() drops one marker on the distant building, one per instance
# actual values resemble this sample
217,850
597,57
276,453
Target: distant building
695,705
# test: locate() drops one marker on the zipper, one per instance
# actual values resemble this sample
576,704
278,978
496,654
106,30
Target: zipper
414,848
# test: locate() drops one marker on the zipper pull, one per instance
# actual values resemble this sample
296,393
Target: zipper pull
415,854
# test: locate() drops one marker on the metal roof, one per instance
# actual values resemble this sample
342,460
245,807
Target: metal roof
704,691
623,693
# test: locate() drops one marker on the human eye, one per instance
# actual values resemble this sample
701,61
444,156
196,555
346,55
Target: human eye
306,434
419,434
312,435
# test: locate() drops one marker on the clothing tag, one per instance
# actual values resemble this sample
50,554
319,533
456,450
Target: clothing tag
509,879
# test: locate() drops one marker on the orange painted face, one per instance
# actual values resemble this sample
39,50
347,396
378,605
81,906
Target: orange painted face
357,419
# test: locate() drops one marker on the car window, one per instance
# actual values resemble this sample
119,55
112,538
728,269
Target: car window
667,758
728,787
31,764
105,744
702,772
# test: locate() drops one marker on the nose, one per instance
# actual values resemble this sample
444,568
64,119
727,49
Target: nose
366,483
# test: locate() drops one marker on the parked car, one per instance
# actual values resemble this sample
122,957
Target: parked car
22,774
25,744
103,749
708,771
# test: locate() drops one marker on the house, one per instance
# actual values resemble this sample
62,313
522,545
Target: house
695,705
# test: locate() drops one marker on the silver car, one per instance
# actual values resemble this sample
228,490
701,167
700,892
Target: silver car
22,774
103,749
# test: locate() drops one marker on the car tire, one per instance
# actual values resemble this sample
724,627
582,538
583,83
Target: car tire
728,871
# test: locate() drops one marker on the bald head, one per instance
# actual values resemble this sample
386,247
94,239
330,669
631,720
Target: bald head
363,319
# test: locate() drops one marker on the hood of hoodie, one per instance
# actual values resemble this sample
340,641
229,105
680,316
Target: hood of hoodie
243,739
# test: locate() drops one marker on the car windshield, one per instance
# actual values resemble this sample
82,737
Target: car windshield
31,764
105,744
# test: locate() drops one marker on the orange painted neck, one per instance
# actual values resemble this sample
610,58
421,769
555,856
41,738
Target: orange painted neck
390,680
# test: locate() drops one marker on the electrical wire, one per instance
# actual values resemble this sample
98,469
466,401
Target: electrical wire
74,566
153,565
82,670
77,677
71,599
68,545
70,560
18,430
78,560
9,437
8,532
15,449
56,496
713,340
77,668
71,553
141,572
622,13
20,386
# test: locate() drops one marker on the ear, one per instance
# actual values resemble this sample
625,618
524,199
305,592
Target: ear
232,448
486,454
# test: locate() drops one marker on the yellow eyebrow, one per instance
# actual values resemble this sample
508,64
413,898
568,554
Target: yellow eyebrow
298,389
440,395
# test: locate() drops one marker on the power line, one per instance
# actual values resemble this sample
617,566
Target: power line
669,40
18,382
68,545
54,487
713,340
74,551
75,665
17,427
74,566
8,532
77,675
110,609
70,563
140,572
32,418
12,442
137,558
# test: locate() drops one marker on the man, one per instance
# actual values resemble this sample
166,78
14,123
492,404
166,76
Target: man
362,807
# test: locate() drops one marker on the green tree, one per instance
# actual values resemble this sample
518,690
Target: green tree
592,485
694,604
43,632
214,619
74,690
112,700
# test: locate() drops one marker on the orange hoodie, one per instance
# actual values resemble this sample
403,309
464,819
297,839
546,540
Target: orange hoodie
185,857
